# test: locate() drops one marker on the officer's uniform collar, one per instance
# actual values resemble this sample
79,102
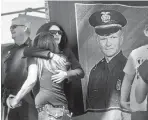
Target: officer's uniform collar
115,60
27,43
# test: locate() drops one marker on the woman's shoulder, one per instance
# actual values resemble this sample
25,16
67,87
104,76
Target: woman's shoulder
67,51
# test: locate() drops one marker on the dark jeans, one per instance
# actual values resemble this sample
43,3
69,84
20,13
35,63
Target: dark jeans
140,115
73,92
24,112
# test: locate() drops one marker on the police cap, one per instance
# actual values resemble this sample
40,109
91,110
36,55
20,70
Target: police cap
106,22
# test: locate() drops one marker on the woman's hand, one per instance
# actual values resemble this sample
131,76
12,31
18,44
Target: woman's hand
12,102
59,76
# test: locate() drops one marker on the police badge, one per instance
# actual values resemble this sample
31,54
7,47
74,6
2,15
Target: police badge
105,17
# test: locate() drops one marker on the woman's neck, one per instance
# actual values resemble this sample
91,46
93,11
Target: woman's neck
57,50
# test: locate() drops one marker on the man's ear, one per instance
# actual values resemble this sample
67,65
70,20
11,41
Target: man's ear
98,41
122,37
28,26
146,32
25,28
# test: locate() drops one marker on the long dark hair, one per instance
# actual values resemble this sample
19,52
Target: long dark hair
45,40
45,28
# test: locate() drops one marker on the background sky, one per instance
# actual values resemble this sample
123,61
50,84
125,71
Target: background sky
16,5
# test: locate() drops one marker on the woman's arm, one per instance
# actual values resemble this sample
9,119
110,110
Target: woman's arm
62,75
36,52
76,69
41,53
78,73
141,91
27,86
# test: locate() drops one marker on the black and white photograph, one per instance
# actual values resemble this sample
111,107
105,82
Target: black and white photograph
74,60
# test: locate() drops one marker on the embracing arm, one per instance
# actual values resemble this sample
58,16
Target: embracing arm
36,52
29,83
76,69
41,53
78,72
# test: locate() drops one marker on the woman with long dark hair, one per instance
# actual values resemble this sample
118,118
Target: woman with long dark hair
76,72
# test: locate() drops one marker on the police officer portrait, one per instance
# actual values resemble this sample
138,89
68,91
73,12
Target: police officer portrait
107,33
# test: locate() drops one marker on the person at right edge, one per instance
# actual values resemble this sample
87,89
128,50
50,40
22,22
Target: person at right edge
75,73
132,77
141,91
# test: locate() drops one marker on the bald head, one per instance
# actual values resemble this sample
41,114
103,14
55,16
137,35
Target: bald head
20,30
22,21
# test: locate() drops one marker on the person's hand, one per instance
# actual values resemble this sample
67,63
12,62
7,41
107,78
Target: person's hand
59,76
126,105
61,61
12,102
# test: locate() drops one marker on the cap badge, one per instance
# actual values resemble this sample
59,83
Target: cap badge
105,17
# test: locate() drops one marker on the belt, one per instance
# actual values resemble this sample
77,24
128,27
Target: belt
44,107
56,111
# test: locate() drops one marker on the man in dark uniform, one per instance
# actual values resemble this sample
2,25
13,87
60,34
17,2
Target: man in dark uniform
16,71
106,76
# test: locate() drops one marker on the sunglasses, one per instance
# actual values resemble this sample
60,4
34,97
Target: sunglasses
55,32
15,26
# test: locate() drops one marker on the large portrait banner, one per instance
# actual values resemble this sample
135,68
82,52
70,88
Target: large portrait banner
89,52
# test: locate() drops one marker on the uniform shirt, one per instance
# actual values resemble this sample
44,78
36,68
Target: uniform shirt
16,66
135,59
104,85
